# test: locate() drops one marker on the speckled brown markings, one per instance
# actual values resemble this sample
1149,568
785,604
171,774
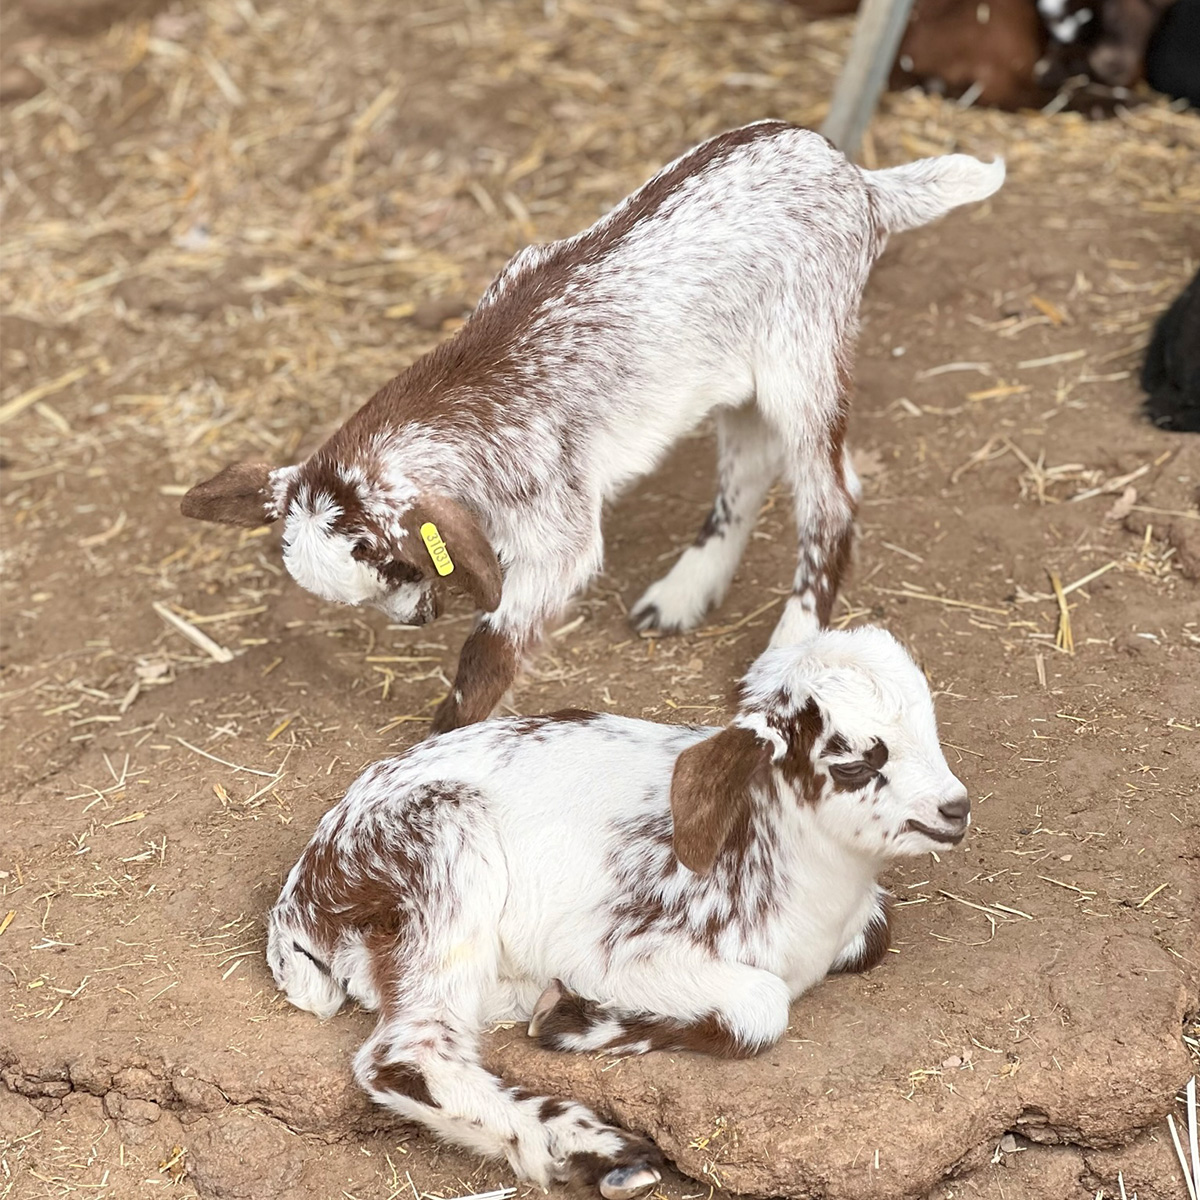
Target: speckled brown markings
802,731
575,1016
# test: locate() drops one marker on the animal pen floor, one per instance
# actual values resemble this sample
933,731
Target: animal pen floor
225,226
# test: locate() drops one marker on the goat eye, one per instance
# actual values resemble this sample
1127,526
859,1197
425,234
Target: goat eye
361,551
852,774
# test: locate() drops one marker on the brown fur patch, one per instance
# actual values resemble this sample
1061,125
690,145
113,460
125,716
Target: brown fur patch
876,754
837,745
803,731
571,1014
487,667
710,793
946,42
551,1108
572,716
345,887
827,584
403,1079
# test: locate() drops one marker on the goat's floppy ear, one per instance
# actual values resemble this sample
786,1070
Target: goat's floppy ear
463,547
239,495
710,792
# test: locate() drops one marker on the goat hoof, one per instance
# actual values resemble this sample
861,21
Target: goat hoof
645,617
623,1183
545,1005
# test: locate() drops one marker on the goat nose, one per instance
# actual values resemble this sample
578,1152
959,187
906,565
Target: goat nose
955,810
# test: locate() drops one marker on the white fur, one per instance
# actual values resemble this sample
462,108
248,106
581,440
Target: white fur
523,851
319,558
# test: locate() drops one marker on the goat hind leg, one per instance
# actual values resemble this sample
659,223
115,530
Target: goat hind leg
421,1066
747,464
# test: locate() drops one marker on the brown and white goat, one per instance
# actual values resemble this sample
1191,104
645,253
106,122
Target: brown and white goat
623,885
729,282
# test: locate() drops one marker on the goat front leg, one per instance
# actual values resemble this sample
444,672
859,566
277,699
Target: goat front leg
747,464
726,1009
487,667
826,494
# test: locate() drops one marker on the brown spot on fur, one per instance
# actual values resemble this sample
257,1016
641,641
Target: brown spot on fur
572,716
826,586
945,42
710,793
802,734
405,1080
877,754
716,521
487,667
837,745
571,1014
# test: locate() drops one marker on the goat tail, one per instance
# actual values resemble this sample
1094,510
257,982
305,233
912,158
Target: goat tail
919,192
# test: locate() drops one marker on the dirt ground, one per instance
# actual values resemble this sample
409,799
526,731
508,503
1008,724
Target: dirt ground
225,224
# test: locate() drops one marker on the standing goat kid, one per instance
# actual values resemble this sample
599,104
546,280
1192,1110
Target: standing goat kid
729,282
629,886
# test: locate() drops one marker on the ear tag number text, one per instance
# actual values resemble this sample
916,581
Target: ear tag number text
437,548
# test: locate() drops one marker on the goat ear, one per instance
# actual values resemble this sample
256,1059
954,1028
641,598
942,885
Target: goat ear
710,793
469,550
239,495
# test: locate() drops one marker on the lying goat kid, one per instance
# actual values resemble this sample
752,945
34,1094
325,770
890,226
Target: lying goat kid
729,282
631,886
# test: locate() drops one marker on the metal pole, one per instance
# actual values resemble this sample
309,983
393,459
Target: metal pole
877,33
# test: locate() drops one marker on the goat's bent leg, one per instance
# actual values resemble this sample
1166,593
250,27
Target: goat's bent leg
743,1010
487,667
747,464
424,1066
826,494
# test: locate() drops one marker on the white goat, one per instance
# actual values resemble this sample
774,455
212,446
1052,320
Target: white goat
633,886
729,282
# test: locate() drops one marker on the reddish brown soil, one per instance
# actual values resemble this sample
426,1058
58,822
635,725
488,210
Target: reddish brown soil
1044,974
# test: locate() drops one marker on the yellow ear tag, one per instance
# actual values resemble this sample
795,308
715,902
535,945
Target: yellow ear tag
437,548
